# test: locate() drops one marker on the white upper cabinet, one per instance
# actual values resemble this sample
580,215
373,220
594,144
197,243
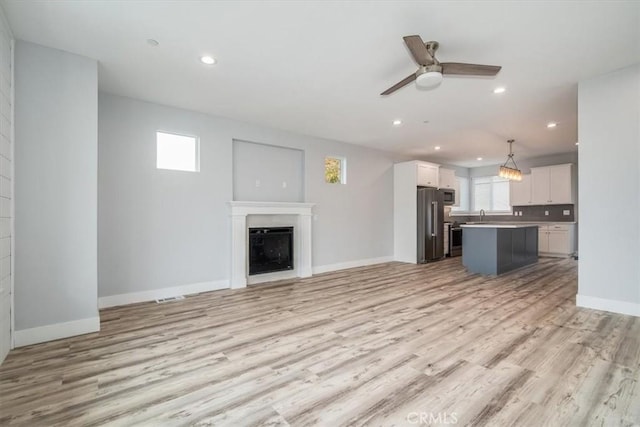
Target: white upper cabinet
560,189
551,185
447,178
540,186
520,191
427,175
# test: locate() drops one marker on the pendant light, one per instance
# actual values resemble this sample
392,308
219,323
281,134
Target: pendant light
512,173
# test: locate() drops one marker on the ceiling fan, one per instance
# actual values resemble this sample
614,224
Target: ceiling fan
430,72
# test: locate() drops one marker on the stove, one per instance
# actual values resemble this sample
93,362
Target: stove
455,239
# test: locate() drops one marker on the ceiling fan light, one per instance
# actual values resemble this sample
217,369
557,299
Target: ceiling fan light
430,79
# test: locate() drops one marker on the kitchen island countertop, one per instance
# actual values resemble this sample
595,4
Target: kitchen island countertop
489,225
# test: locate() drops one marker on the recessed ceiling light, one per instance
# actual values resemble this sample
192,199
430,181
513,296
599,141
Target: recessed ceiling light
209,60
397,122
152,42
479,158
577,143
551,125
499,90
437,147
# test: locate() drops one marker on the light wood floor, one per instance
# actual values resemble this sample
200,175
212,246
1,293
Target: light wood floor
392,344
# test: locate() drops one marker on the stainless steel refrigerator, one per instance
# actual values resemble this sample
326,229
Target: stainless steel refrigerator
430,224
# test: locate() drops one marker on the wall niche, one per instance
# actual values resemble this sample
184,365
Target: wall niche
267,173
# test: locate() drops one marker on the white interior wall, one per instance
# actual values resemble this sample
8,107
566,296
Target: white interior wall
609,134
56,194
161,229
6,186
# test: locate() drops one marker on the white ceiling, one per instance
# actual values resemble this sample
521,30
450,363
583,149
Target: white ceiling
317,68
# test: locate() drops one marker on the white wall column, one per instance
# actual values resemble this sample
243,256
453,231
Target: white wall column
238,251
304,238
609,153
56,153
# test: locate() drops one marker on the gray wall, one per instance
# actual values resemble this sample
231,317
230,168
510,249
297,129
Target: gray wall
161,228
56,186
609,131
267,173
525,165
6,190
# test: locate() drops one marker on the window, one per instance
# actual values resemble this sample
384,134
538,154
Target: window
335,170
177,152
490,193
462,196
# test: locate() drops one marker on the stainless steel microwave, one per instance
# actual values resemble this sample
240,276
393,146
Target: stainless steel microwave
449,196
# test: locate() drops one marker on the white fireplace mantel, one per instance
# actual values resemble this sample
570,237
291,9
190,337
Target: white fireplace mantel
240,236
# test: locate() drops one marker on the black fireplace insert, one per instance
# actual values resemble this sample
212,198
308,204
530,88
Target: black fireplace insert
270,249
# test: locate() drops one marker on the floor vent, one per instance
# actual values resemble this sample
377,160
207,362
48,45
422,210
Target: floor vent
169,299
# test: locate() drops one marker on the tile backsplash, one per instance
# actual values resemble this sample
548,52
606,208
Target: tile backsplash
556,213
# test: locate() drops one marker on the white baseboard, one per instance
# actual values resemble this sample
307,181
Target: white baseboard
351,264
554,255
152,295
611,305
56,331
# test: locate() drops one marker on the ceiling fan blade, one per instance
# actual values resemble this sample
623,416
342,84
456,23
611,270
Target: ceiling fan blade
400,84
469,69
418,50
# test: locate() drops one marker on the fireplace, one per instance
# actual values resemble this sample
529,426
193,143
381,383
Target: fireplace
270,249
261,215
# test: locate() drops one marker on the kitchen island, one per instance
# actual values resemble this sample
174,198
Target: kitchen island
498,248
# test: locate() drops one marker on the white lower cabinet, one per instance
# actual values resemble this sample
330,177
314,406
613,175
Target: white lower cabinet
559,242
556,239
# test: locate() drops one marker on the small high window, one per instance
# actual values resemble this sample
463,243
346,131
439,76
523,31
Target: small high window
335,170
177,152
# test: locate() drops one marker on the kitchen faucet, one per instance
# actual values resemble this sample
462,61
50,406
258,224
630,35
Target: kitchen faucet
482,213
